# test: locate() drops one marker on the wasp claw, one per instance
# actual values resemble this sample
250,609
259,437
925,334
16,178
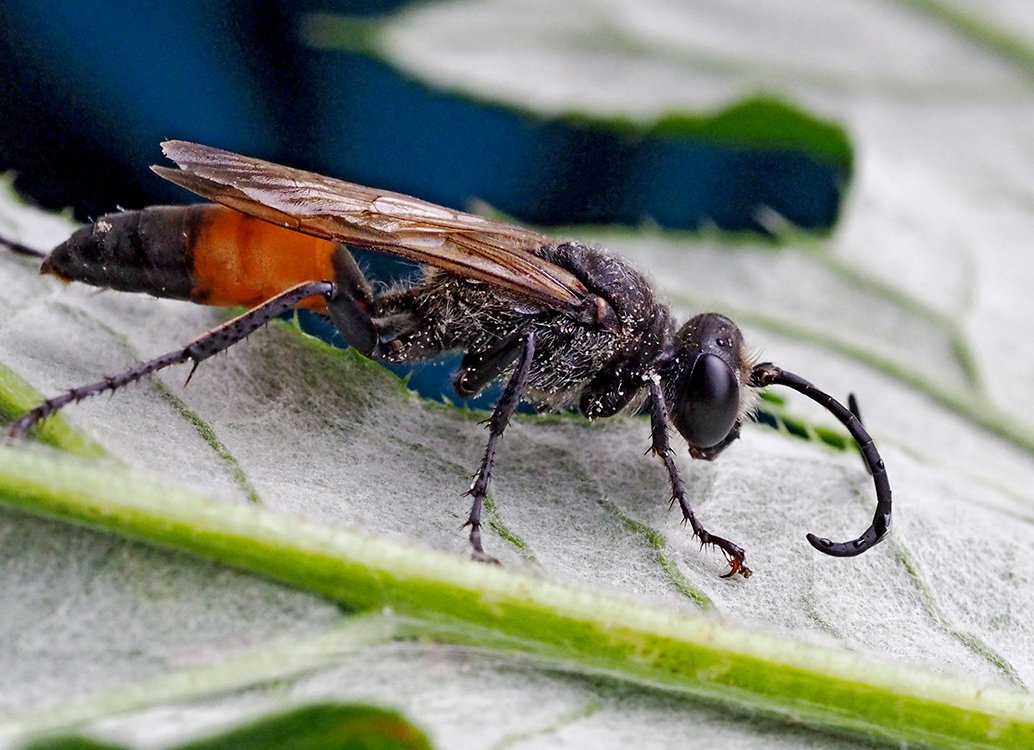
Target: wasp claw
737,566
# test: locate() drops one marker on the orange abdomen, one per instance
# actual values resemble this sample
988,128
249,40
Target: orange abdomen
207,253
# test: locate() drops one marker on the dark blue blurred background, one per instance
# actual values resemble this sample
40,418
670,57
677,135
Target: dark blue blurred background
88,90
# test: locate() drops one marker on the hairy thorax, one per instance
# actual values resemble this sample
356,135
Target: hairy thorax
447,312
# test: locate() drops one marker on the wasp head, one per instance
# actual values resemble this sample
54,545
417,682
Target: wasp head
706,382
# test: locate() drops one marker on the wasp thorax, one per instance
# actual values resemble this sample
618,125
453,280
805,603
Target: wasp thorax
702,383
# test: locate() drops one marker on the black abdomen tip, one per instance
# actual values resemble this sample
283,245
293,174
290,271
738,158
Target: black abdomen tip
132,251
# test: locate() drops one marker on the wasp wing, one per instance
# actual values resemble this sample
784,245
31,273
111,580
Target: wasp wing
471,246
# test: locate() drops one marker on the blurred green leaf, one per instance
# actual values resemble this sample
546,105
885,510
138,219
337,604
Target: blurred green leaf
325,727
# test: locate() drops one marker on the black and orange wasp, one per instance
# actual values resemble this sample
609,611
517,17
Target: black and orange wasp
564,323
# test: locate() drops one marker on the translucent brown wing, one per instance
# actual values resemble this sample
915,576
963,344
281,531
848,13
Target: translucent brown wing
471,246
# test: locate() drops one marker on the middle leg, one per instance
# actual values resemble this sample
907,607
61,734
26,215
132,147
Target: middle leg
496,424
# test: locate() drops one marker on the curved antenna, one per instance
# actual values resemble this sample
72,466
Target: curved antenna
767,374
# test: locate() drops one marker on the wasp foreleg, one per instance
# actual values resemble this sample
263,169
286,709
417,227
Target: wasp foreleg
662,449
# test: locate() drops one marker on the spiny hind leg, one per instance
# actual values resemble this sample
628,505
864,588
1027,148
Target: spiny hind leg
203,347
349,300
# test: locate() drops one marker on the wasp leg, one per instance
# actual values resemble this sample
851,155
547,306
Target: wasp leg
496,424
478,369
349,309
200,349
385,327
662,449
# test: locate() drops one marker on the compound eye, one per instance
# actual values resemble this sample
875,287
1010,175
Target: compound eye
710,402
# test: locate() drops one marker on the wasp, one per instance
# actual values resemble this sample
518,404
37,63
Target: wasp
565,324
